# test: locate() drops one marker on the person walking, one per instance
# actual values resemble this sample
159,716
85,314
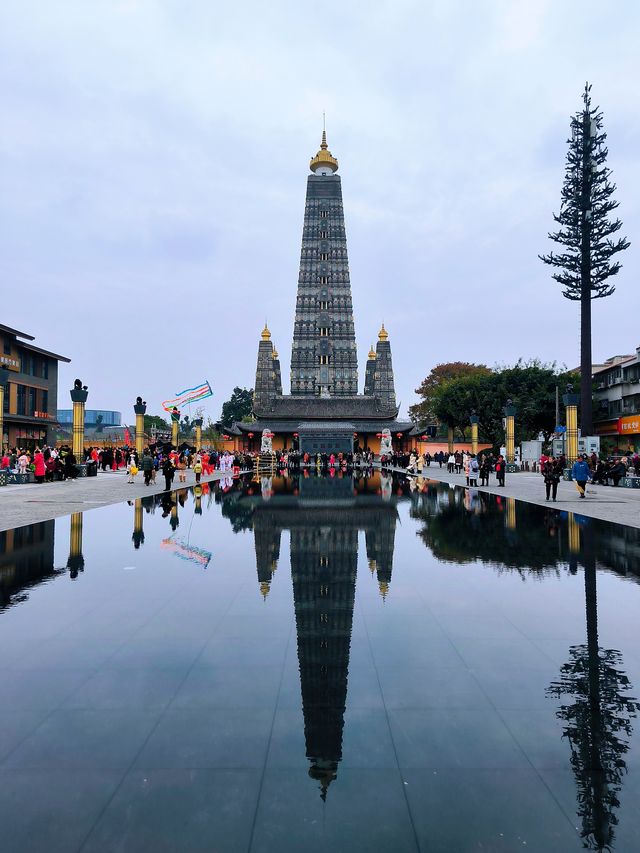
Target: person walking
147,467
501,470
474,470
551,473
451,462
197,468
167,471
580,472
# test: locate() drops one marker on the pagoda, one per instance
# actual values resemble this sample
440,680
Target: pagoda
323,411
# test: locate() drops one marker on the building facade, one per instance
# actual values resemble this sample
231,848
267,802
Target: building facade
617,401
31,392
324,411
92,418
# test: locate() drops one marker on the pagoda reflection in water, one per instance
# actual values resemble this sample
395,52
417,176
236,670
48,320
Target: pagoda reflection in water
324,517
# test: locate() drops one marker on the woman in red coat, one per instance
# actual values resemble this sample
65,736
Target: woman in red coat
38,461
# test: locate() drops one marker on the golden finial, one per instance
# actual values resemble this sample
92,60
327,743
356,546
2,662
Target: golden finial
384,588
274,354
266,334
264,589
324,157
372,566
372,354
383,335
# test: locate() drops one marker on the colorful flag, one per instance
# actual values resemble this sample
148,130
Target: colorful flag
189,395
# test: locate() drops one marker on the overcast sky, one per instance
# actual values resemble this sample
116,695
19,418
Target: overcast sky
154,158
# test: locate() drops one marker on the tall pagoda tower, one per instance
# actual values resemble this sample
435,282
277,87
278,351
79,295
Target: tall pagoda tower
324,360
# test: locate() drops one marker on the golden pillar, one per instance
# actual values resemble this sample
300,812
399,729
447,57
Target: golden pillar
450,439
75,563
474,434
175,421
140,409
4,378
198,425
570,401
79,395
510,431
138,529
510,518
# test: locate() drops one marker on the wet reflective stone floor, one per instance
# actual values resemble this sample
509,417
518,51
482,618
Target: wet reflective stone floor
314,662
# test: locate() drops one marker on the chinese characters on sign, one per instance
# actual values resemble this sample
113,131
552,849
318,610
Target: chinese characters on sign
629,424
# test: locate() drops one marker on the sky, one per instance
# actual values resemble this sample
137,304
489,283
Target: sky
153,165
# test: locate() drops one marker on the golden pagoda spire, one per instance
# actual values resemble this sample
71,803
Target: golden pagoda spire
324,159
383,335
274,354
372,354
266,334
384,589
264,589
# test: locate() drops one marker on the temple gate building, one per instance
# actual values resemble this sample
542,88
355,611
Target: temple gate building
324,412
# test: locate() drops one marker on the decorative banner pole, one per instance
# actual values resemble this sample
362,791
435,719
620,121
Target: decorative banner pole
79,395
175,421
75,563
450,439
140,409
4,378
570,401
474,433
510,431
198,426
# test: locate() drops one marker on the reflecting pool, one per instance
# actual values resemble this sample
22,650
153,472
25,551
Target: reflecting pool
305,663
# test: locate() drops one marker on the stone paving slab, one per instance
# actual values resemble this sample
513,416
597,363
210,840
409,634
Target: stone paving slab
34,502
619,505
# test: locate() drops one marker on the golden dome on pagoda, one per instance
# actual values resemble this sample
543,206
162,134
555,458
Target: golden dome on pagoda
372,354
266,334
274,354
324,157
383,335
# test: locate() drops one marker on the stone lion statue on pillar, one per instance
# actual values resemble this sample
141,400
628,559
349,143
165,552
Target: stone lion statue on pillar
386,448
267,444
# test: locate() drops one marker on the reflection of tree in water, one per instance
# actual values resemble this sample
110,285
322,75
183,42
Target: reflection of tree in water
597,723
461,533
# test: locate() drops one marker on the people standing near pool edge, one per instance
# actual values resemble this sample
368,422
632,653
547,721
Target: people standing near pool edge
580,472
500,470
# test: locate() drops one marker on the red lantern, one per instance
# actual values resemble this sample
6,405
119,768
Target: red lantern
423,438
250,434
295,435
378,435
355,435
399,434
226,437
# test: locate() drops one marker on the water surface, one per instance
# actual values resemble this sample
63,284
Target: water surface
313,663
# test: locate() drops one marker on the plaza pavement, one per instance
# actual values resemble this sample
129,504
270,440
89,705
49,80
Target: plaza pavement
32,502
618,505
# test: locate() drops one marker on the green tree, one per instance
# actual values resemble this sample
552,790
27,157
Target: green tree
530,385
440,375
238,407
151,421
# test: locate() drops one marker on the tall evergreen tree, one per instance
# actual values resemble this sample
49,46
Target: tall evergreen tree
587,233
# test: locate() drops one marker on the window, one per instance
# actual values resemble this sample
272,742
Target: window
32,402
323,214
324,279
22,400
323,359
324,305
324,561
324,332
324,256
7,348
324,235
45,401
